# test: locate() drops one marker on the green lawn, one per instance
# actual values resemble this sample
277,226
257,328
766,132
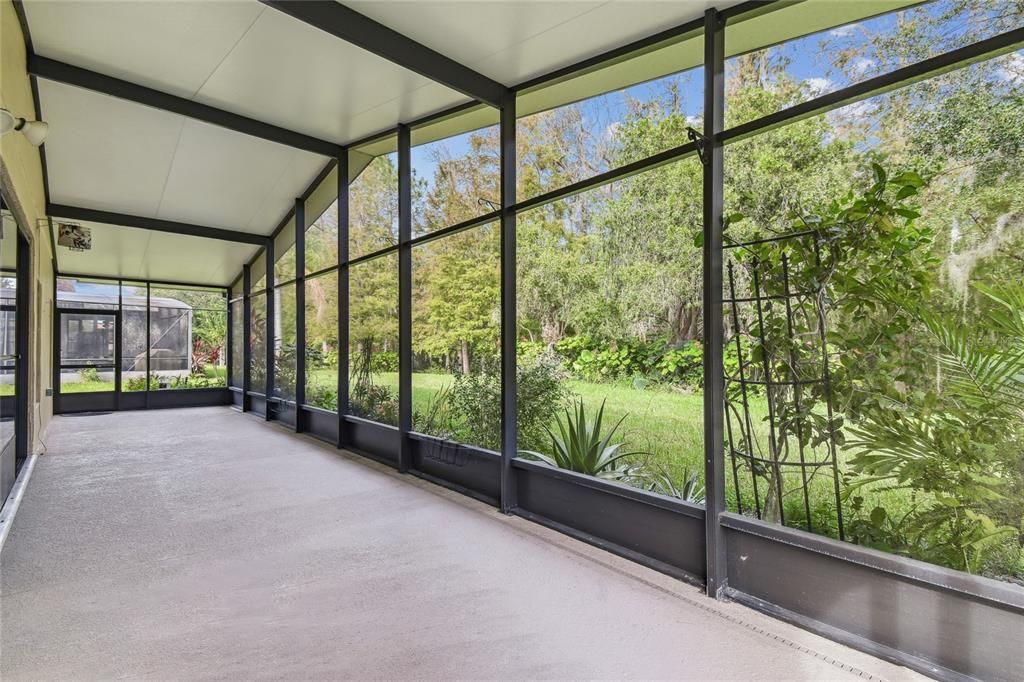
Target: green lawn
98,386
86,386
669,425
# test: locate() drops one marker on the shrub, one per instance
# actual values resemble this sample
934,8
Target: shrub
384,361
368,400
139,384
684,365
540,393
472,407
372,401
437,420
471,410
323,397
89,374
653,360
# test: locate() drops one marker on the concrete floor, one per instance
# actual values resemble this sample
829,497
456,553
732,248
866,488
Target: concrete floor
205,544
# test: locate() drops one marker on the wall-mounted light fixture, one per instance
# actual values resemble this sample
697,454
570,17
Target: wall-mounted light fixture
34,131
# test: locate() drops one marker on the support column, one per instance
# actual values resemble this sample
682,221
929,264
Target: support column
300,312
118,350
269,334
149,339
509,416
714,395
343,231
229,348
404,296
246,338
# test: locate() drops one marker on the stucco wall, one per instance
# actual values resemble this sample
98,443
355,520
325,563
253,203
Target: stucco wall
22,174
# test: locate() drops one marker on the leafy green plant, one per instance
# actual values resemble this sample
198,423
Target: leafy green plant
324,397
474,403
367,399
688,488
372,401
580,446
139,383
958,450
88,374
540,393
830,265
437,419
683,365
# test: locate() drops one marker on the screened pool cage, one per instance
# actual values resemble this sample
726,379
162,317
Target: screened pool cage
86,340
135,345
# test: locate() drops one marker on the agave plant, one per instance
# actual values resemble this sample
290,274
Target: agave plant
579,446
688,488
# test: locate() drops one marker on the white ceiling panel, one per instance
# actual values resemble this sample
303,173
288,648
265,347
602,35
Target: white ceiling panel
132,253
106,153
288,73
512,41
471,32
169,45
224,179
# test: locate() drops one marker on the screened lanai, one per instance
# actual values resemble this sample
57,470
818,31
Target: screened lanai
725,294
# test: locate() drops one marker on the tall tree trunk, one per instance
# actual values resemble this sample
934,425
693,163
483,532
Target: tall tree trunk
685,322
551,331
464,352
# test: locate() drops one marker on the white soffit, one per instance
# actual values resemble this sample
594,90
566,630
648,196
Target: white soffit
325,194
687,52
321,198
132,253
163,44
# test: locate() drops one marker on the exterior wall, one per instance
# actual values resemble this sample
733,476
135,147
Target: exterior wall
21,174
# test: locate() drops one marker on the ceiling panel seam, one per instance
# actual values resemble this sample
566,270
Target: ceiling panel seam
227,54
170,166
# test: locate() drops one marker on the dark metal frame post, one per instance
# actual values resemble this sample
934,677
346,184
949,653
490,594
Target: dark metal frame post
246,338
404,296
714,379
149,339
343,271
22,301
118,334
229,354
269,332
509,405
300,311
